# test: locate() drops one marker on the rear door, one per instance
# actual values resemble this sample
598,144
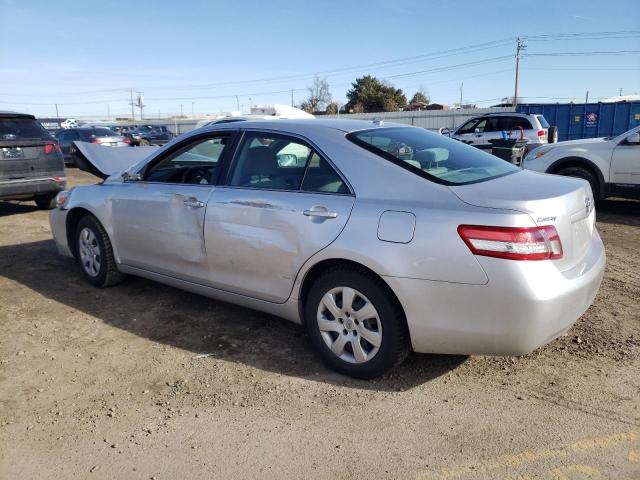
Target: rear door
283,202
27,150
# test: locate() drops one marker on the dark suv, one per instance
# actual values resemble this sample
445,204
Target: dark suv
150,135
31,165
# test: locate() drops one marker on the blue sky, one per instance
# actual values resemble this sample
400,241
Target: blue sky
85,55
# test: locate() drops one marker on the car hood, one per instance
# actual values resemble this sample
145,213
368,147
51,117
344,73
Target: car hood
576,143
103,161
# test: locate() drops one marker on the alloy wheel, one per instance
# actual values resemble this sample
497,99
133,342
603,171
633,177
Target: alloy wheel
89,249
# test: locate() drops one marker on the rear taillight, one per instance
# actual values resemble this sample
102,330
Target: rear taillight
56,147
541,133
126,140
48,148
514,243
96,140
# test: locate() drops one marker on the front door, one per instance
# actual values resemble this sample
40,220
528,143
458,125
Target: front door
282,203
159,221
625,163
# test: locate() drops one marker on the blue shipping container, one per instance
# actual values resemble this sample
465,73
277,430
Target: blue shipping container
587,120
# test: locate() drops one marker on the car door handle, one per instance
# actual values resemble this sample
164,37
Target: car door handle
194,203
319,211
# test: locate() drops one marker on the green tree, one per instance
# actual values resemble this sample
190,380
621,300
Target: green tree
420,97
372,95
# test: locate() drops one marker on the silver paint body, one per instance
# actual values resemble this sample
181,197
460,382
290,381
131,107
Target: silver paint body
255,247
618,161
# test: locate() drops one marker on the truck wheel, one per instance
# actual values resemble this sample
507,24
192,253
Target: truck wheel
585,174
144,142
46,202
552,134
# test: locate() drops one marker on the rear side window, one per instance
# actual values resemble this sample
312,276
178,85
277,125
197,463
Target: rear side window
514,123
22,129
543,121
432,156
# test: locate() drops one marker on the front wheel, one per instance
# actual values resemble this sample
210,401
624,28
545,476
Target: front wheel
95,254
144,142
355,323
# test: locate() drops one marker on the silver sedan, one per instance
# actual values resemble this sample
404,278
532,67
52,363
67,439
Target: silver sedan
379,238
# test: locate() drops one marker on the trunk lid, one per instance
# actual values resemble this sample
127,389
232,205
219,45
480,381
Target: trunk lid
564,202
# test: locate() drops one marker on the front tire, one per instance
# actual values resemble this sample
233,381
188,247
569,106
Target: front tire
95,254
355,323
144,142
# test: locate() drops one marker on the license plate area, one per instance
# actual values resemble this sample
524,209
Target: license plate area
15,152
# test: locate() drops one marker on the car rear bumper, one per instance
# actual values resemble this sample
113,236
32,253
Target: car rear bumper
523,306
29,188
58,222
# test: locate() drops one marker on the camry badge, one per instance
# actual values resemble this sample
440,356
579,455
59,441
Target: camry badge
587,204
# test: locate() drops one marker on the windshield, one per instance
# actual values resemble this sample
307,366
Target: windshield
22,129
432,156
543,121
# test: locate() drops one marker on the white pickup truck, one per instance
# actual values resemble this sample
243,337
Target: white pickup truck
610,164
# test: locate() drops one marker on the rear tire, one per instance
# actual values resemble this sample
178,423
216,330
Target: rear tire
585,174
369,336
144,142
95,254
552,134
46,202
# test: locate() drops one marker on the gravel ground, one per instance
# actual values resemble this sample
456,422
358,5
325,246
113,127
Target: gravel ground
145,381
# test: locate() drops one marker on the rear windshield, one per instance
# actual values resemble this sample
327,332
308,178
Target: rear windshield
97,132
22,129
543,121
432,156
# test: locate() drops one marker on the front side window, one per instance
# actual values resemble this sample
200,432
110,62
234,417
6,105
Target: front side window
432,156
196,163
473,125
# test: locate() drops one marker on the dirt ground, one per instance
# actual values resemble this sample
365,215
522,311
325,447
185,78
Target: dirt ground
112,384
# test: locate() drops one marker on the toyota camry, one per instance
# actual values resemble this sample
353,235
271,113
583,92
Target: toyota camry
379,238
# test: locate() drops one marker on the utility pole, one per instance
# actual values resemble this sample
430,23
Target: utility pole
292,97
586,100
519,47
461,87
192,109
108,113
237,103
181,112
620,91
140,104
133,114
57,116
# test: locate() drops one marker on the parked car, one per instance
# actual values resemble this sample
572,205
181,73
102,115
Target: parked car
149,135
380,238
31,165
611,165
98,135
479,131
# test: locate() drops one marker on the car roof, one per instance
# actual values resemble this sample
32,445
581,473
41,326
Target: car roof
305,124
10,114
509,114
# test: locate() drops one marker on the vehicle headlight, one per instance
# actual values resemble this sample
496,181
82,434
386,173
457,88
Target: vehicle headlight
62,198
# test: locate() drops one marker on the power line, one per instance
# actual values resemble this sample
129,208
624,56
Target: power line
583,54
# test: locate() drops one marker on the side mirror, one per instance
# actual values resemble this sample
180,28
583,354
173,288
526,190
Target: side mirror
131,177
634,138
477,130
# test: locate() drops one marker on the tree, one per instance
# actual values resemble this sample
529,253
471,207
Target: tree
373,95
420,97
332,108
319,95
